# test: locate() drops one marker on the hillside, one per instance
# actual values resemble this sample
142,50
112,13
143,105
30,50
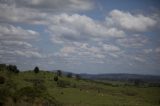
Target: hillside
122,77
40,89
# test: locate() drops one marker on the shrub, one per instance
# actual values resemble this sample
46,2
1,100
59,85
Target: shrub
4,93
55,78
2,80
129,92
29,92
62,83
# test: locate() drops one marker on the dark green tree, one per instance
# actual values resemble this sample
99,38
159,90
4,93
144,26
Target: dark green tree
3,67
55,78
17,71
13,68
36,69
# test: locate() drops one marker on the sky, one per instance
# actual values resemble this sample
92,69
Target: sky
81,36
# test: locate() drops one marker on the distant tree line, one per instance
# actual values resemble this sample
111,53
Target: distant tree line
11,68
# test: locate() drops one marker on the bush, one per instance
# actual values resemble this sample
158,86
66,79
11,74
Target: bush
2,80
55,78
4,93
29,92
129,92
62,83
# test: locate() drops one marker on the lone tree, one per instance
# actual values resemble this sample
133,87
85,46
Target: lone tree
36,69
59,73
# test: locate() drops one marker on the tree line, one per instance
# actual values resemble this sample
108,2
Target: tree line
11,68
14,69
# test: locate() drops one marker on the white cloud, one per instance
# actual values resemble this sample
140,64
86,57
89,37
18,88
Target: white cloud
147,51
16,43
135,22
82,39
140,59
79,28
28,54
36,11
134,41
68,49
12,32
157,50
88,53
10,13
71,5
110,48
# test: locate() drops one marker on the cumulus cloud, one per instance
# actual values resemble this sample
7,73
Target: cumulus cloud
157,50
111,48
134,22
10,13
134,41
147,51
13,32
85,52
16,43
80,27
57,5
76,38
36,11
28,53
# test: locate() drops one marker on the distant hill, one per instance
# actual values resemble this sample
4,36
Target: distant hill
118,77
122,77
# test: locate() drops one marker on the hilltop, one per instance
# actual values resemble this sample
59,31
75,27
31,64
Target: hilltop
43,89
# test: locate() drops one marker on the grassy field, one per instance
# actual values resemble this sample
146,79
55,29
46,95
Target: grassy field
40,89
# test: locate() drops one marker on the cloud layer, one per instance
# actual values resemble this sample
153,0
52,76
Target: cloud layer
62,34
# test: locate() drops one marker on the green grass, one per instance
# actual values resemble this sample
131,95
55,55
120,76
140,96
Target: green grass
81,92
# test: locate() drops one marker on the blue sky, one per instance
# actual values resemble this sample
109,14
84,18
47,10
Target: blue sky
81,36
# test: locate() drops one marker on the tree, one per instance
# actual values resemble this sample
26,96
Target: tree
36,69
13,68
3,67
59,73
55,78
17,71
69,75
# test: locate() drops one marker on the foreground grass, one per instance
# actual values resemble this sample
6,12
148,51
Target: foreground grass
75,93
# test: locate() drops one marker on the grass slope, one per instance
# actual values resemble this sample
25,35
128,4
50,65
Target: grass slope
31,89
